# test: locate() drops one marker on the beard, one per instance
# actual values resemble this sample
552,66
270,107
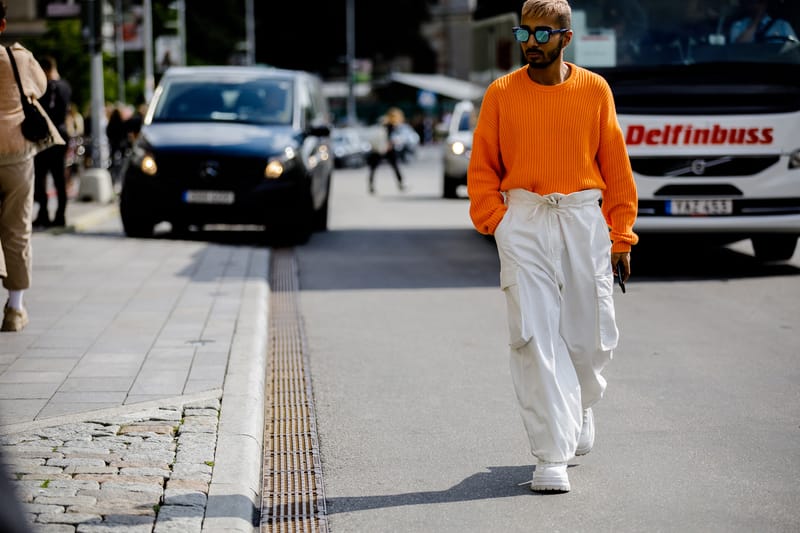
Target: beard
545,59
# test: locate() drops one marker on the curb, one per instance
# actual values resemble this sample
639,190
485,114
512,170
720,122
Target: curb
235,490
95,216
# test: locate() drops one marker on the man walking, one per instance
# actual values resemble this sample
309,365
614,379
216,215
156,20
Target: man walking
547,150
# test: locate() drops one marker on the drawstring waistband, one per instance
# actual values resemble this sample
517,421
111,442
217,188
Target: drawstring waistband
576,199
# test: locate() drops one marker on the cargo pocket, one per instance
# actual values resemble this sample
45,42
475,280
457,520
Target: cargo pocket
607,332
517,332
509,283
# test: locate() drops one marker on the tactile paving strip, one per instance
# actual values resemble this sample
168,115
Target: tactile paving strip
293,500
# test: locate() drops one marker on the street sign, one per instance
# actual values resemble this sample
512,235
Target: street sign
62,10
426,99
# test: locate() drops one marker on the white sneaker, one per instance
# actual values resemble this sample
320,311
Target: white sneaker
550,477
586,440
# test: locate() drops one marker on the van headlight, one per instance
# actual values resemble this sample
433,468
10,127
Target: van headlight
280,165
148,165
144,160
458,148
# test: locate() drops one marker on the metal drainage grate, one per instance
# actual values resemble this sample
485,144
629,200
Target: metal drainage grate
293,499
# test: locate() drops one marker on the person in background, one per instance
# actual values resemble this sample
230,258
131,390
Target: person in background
384,149
117,135
52,161
759,27
74,122
75,148
547,149
16,179
133,126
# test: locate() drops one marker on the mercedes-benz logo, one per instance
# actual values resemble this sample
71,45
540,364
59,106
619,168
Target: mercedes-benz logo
210,169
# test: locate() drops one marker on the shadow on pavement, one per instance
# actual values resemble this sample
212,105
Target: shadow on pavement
668,259
421,258
497,482
450,258
398,259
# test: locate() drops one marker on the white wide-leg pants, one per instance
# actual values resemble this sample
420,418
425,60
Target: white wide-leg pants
556,274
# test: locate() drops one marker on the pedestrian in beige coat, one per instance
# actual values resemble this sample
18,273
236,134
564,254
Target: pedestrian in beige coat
16,178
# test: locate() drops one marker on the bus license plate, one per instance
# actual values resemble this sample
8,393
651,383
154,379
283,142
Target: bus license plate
700,207
209,197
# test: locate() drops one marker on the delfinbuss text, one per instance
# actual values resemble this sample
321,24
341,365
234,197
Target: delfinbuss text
686,134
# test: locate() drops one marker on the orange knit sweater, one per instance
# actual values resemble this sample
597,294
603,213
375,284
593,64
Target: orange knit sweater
551,138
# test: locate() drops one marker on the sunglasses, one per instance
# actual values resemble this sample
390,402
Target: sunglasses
540,33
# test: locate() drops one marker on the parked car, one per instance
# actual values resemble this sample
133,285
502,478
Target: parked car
458,147
350,148
231,145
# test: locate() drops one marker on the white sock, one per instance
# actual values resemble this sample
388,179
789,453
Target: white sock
15,299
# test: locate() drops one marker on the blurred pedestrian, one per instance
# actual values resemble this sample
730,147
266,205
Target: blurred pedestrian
53,160
546,150
383,147
757,26
16,179
96,143
117,135
75,147
74,121
133,126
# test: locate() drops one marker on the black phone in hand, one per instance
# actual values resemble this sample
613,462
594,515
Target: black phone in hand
621,275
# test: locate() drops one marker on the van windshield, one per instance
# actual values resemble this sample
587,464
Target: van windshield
649,33
249,101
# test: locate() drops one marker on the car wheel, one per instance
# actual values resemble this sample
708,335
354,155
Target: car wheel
301,232
774,247
450,188
297,223
134,224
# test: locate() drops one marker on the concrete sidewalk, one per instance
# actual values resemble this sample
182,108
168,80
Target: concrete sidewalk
134,399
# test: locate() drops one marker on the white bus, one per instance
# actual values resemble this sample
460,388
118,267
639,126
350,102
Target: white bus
710,106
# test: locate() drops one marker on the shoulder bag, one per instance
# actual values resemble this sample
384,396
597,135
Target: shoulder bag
35,127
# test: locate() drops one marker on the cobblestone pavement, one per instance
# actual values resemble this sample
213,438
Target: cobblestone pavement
145,471
134,399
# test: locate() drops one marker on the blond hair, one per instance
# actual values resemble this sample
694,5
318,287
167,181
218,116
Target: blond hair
559,9
394,116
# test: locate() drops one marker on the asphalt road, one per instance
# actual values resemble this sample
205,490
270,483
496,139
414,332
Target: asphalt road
417,421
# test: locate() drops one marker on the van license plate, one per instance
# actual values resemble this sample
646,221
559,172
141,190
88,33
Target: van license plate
704,206
209,197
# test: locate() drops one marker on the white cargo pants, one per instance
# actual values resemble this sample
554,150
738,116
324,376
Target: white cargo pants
555,270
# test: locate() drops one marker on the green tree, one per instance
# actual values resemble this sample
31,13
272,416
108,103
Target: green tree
215,35
63,41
